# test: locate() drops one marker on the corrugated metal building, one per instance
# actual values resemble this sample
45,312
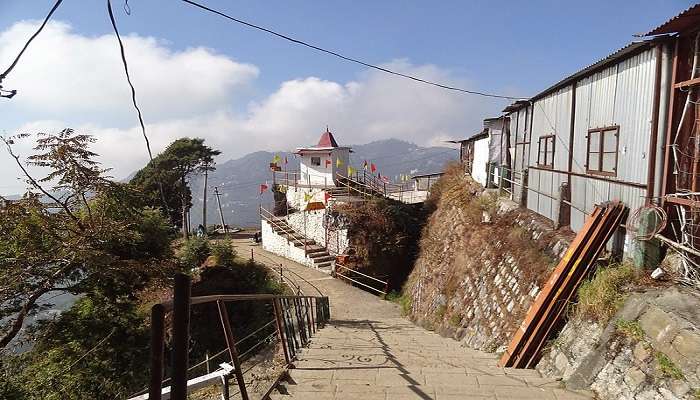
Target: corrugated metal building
590,134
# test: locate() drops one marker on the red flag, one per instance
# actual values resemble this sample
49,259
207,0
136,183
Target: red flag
263,187
328,162
373,167
326,196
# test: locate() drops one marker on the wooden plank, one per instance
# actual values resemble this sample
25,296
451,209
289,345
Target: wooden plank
533,312
554,301
688,83
579,270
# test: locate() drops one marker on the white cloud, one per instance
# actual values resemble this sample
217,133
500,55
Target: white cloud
81,78
67,79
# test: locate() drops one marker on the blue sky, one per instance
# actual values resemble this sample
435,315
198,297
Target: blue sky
522,46
276,95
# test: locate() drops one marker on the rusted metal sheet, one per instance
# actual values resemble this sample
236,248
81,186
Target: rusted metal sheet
545,314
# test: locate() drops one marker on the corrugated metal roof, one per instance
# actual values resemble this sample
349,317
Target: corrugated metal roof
478,135
686,20
622,53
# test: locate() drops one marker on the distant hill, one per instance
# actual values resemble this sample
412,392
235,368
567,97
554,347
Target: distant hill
239,180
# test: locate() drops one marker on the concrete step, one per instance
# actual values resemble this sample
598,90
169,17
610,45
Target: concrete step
322,258
324,265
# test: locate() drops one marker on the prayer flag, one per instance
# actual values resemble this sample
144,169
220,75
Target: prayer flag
365,165
263,188
338,162
276,159
328,162
373,167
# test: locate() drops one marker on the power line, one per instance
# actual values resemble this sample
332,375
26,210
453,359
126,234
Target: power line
346,58
133,100
19,55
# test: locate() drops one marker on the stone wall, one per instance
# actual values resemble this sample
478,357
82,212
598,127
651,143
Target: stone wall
276,244
310,225
476,276
650,349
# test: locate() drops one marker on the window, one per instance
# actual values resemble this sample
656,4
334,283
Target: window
316,161
545,152
601,157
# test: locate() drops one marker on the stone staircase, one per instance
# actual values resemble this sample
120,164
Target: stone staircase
318,254
394,359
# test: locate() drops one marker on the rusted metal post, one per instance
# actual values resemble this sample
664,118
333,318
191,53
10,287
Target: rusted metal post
252,258
232,351
181,337
280,333
308,317
157,341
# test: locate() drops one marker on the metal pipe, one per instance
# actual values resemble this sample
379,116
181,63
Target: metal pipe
181,337
233,352
157,345
664,100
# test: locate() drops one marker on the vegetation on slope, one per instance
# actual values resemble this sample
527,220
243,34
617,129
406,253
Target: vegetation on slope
384,235
105,244
459,251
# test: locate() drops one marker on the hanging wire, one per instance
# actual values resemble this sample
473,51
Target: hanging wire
133,100
347,58
12,93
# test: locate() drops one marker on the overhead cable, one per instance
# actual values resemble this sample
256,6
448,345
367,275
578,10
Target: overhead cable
133,97
346,58
11,93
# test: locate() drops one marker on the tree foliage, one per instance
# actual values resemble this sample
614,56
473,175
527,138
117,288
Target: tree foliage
94,236
171,169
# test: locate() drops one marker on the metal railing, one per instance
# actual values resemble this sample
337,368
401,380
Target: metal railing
289,231
287,276
296,319
347,276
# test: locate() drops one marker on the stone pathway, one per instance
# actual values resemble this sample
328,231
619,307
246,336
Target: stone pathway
368,351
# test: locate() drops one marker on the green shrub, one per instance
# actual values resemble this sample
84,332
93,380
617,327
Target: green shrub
194,252
402,300
601,296
223,252
631,329
456,320
667,367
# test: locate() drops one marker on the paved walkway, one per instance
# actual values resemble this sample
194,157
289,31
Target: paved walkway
368,351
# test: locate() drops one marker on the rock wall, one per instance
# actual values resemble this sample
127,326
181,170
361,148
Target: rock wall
474,280
650,349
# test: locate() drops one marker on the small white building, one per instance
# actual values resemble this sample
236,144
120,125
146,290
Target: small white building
323,163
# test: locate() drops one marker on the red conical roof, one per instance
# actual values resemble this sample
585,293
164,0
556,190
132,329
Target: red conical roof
327,140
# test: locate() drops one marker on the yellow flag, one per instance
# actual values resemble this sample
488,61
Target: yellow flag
276,159
338,163
351,170
307,197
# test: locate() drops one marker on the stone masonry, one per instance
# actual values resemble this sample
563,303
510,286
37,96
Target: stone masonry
660,361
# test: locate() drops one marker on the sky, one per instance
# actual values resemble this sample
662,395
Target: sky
199,75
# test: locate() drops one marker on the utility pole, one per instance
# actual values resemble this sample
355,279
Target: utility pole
204,201
221,213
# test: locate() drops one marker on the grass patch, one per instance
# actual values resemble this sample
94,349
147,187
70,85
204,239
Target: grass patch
600,297
456,320
440,312
667,367
631,329
402,300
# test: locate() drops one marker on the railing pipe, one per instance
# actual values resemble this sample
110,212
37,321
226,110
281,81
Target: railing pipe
157,346
181,336
233,352
280,332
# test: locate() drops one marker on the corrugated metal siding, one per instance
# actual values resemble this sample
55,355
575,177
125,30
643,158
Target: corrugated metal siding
623,95
620,95
552,116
